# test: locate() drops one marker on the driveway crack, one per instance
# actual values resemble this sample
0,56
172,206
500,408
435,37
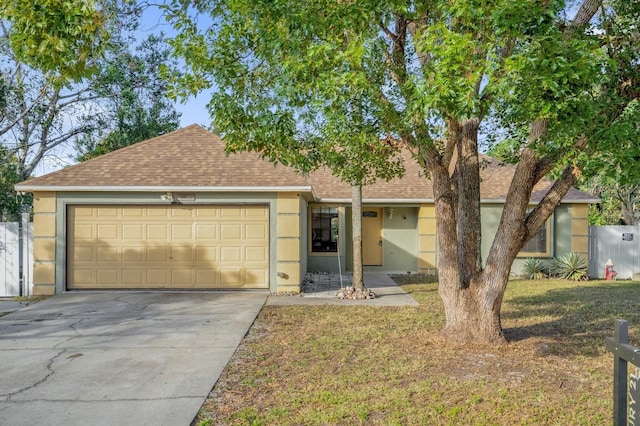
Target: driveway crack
50,372
72,326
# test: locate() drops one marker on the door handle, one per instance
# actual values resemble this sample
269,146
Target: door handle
380,243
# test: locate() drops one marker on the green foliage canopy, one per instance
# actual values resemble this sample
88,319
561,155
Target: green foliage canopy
300,80
62,36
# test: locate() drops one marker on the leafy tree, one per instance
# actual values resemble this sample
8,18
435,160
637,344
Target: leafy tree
59,36
613,173
12,204
134,98
43,45
47,103
426,75
339,131
38,112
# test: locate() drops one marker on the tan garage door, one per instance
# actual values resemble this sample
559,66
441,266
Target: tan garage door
173,246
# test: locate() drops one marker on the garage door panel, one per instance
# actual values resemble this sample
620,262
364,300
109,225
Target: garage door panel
157,232
204,213
83,254
207,277
182,212
133,212
133,254
206,231
256,212
158,254
107,254
107,212
207,254
84,232
107,232
158,277
255,254
182,254
133,232
255,276
182,277
106,278
181,232
231,277
232,213
168,246
256,231
230,231
133,278
157,213
83,278
230,255
83,211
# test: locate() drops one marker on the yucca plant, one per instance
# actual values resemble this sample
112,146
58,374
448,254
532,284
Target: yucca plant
534,269
570,266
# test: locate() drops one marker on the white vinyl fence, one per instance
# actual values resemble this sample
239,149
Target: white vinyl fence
621,244
16,258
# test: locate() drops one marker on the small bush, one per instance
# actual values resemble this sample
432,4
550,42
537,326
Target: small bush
570,266
534,269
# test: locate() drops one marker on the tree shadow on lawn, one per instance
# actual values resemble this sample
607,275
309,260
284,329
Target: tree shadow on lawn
573,318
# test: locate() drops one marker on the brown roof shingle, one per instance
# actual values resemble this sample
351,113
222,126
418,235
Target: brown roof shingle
194,158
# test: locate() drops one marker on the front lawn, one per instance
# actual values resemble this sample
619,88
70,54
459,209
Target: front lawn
377,365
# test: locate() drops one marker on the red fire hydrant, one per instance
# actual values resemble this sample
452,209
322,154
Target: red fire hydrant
609,273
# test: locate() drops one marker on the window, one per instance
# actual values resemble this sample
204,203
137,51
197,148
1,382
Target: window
539,244
324,229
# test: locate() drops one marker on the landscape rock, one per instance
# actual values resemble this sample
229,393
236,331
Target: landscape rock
352,293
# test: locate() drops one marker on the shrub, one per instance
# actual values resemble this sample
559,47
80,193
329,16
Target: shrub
534,269
570,266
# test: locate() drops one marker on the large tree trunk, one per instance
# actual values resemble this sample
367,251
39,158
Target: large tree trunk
473,313
472,295
468,183
356,222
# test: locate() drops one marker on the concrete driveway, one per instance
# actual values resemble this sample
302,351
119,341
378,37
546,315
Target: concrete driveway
121,358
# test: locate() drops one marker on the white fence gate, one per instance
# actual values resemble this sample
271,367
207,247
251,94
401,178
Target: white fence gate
16,258
621,244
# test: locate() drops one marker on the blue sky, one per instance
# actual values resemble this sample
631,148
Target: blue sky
193,110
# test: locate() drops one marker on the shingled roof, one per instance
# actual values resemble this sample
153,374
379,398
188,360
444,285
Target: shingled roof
193,159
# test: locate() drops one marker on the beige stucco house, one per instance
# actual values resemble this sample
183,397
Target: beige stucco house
175,212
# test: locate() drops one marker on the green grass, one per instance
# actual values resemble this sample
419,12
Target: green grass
389,366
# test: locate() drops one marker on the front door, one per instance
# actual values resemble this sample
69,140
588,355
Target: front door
372,236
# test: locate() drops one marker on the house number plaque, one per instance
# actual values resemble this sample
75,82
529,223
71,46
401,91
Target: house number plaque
185,197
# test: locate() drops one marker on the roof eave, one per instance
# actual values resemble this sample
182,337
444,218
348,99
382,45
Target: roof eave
563,201
431,200
108,188
378,200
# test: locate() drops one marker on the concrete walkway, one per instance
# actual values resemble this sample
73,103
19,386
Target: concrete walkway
320,289
118,358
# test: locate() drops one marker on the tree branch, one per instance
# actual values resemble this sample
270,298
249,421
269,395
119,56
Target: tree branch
586,12
537,217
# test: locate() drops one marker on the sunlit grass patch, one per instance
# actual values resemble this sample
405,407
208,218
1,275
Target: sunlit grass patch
388,365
